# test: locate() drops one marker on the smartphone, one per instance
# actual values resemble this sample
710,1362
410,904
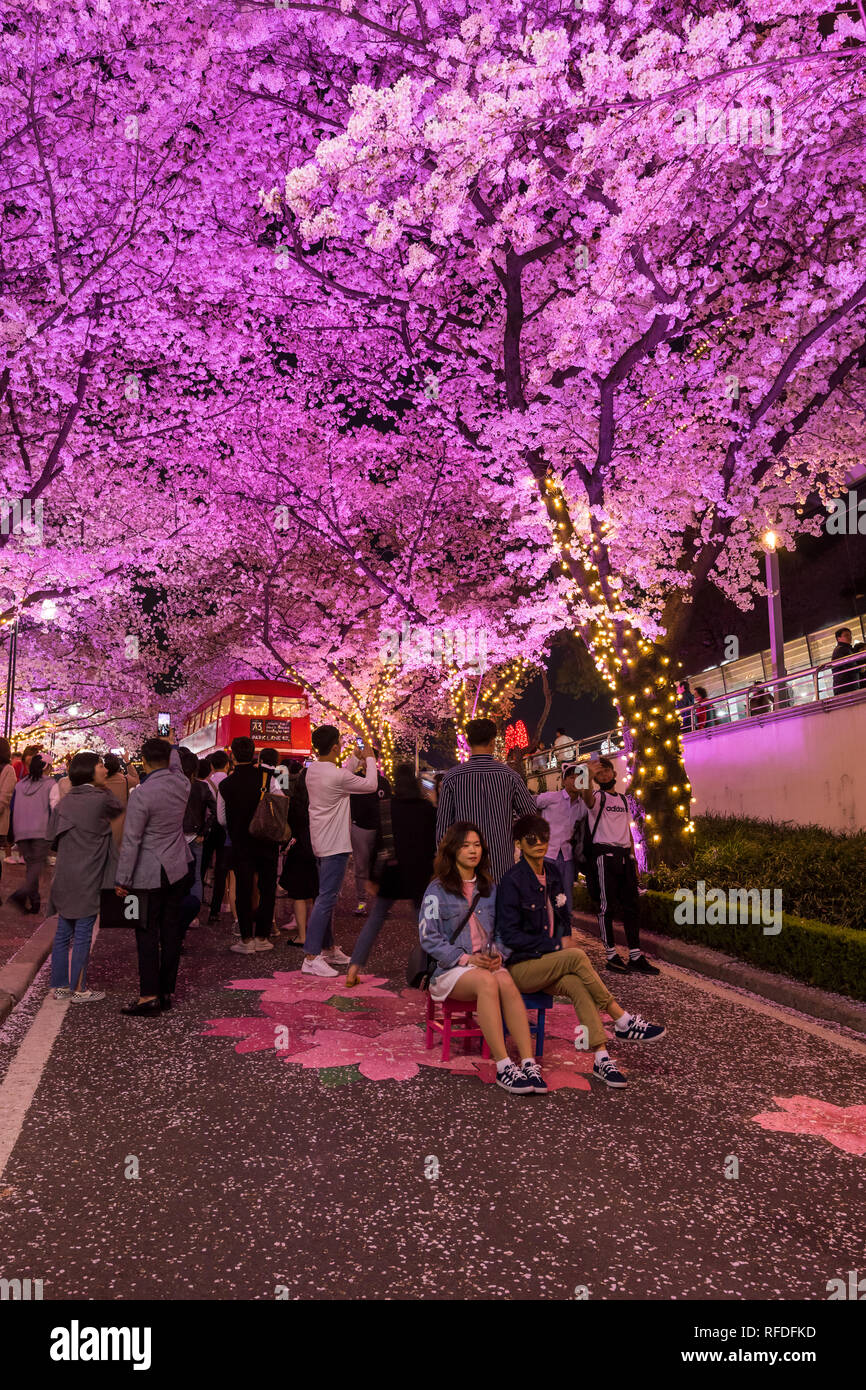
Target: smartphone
163,725
359,744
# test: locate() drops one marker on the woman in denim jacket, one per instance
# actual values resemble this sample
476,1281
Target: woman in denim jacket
471,968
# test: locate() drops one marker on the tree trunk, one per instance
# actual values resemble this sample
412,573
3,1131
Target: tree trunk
645,695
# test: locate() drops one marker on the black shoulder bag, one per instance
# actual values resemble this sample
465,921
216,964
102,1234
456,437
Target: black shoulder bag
421,964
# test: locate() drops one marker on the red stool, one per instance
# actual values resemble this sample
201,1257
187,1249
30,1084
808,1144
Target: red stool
465,1010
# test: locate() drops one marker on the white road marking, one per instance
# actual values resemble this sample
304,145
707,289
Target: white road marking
25,1072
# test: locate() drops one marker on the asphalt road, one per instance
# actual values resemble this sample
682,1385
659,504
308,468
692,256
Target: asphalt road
269,1138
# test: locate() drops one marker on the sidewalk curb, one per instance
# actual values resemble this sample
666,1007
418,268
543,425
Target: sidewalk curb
778,989
18,974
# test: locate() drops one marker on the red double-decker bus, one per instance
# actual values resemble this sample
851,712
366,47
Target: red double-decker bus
274,714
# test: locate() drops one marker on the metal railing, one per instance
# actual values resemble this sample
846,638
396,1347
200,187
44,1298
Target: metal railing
843,680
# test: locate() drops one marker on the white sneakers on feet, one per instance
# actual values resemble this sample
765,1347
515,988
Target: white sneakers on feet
261,943
336,957
317,966
87,996
62,992
245,948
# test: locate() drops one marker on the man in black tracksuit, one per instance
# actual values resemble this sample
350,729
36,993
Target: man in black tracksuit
612,854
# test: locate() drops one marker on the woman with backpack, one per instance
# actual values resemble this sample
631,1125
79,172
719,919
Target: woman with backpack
35,798
456,927
403,856
299,878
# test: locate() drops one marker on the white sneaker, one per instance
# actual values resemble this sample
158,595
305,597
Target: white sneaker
261,944
336,957
317,966
87,996
244,948
62,992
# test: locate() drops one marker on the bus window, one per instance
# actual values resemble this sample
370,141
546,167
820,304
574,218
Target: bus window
252,704
226,706
288,707
212,713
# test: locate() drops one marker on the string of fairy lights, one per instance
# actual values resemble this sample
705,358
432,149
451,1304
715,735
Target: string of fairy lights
367,713
612,642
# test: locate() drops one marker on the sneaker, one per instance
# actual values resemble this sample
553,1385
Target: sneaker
87,996
532,1072
513,1080
640,1031
62,992
336,957
360,910
244,948
641,966
317,966
606,1071
618,966
261,943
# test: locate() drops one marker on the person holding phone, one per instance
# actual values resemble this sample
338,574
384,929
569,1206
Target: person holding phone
456,927
329,788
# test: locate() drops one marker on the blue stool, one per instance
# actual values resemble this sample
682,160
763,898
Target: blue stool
541,1003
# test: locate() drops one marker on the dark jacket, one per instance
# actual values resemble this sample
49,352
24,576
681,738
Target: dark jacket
413,822
851,675
241,791
364,808
521,913
200,810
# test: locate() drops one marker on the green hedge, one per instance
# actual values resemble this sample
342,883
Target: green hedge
821,874
818,953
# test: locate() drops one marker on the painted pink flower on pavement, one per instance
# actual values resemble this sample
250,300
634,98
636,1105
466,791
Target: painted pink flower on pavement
319,1024
842,1126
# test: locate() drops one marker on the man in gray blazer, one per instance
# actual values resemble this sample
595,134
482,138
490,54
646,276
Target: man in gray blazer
153,864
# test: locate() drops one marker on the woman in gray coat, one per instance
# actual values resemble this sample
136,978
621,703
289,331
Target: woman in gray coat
86,860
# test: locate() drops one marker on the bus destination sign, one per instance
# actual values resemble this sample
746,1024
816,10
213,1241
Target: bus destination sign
271,729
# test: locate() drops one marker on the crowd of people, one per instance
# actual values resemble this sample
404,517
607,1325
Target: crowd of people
488,868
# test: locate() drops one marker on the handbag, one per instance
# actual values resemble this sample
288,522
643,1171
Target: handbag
421,964
271,817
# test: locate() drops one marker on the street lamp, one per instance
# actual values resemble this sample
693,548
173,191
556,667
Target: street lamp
774,604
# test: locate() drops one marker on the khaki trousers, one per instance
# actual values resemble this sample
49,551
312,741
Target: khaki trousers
571,973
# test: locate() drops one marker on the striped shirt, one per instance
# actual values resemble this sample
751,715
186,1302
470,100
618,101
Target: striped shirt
486,792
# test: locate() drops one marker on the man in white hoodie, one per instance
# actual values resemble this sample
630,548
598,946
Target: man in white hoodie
329,787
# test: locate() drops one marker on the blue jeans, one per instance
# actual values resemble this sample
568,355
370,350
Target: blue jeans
79,931
566,868
320,931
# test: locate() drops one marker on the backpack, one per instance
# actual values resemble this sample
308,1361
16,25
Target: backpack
582,840
271,817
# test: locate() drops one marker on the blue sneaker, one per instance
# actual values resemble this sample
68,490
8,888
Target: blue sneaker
640,1031
532,1072
606,1071
512,1079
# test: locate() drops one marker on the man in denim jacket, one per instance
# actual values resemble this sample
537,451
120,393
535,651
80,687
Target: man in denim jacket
534,936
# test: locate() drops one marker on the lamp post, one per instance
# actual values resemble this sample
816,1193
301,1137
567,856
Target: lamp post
774,605
10,678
